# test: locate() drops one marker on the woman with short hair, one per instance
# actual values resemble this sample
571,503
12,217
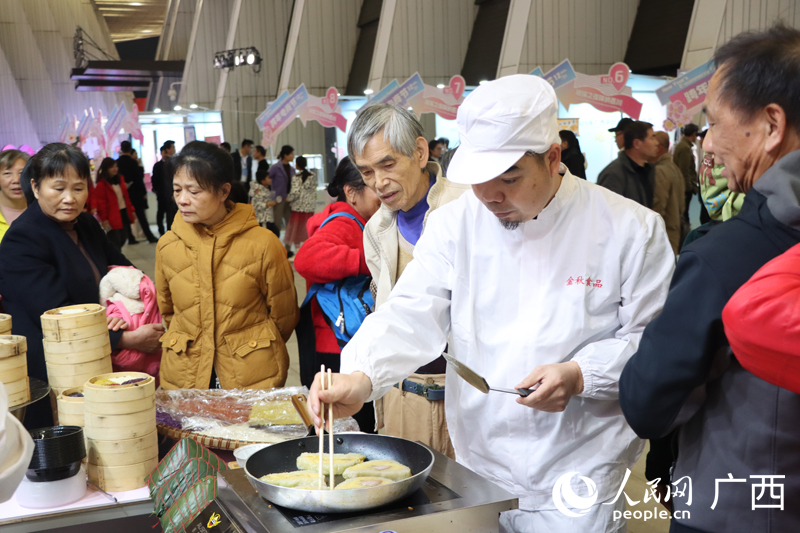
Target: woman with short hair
12,197
225,287
54,255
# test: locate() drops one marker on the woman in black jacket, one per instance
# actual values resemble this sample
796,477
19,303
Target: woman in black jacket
571,154
55,255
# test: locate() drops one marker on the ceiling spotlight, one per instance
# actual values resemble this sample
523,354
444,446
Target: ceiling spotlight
177,108
238,57
368,92
482,82
193,106
440,86
157,110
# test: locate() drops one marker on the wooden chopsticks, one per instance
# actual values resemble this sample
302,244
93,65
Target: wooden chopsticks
322,429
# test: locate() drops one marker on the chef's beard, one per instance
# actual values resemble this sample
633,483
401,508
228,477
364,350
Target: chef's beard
510,225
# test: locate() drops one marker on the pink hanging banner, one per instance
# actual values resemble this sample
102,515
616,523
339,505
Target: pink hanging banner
325,110
131,125
606,92
444,102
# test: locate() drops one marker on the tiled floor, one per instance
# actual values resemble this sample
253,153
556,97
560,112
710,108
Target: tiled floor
143,256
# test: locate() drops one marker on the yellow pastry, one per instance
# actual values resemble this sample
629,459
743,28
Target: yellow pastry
341,461
384,468
274,413
363,483
297,480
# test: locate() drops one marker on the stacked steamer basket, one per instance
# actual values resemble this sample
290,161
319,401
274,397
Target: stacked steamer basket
14,368
5,324
76,345
120,417
70,409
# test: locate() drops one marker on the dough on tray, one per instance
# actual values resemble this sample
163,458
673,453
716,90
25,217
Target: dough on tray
341,461
385,468
363,483
296,480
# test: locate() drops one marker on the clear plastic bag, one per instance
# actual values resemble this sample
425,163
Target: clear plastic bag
250,415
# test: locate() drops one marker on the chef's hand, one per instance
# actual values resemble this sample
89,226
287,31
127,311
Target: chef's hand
116,323
145,338
348,394
559,382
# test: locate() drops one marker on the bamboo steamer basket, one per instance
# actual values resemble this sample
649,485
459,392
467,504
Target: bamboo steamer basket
14,367
77,351
121,478
119,412
16,387
5,324
122,393
12,345
119,421
101,366
121,408
70,409
146,425
12,363
23,394
74,322
60,383
122,452
64,377
15,374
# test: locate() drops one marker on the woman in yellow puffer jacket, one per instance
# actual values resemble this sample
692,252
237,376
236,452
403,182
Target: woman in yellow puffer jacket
12,199
225,287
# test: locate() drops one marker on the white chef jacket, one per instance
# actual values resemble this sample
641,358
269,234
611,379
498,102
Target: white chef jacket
580,282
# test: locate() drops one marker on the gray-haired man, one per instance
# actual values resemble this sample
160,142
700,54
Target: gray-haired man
387,144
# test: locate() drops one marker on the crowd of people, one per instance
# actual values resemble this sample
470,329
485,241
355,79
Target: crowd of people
497,252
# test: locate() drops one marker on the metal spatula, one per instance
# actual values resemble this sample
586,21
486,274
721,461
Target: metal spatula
477,381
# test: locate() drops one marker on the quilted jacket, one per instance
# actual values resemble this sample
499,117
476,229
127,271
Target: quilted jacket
227,297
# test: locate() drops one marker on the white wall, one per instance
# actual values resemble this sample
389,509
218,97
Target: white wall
430,37
715,22
593,34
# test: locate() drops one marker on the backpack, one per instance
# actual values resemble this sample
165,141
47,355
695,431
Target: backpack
346,302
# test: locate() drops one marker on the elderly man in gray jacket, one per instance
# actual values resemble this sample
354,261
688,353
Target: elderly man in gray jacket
387,145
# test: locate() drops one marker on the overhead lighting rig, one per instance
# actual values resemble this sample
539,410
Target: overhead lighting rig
239,57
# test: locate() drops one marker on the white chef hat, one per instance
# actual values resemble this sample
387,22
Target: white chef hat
500,121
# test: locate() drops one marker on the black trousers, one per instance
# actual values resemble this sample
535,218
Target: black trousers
161,214
273,228
118,236
141,215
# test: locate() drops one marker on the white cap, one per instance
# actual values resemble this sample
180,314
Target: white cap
500,121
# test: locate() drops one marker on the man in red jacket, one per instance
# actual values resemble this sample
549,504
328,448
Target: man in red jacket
762,322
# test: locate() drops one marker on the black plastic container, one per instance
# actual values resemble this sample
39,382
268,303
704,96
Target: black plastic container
57,453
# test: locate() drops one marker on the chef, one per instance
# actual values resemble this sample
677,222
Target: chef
534,272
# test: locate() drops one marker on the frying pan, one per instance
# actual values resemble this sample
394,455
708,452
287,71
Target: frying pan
282,457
